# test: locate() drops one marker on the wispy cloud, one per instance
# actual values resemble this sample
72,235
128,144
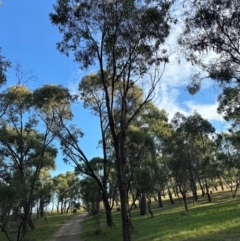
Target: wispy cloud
175,79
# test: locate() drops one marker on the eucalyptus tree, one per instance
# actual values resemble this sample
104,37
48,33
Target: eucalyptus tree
60,191
91,199
228,106
191,138
66,188
228,158
124,38
140,170
43,191
73,190
156,124
69,136
176,148
145,136
26,144
198,130
9,200
92,94
212,26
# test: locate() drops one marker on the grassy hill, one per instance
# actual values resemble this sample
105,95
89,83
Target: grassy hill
215,221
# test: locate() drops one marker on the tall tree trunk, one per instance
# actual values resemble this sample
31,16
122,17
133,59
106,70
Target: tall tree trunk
143,204
126,221
108,210
185,201
193,184
207,189
170,196
41,208
26,220
160,203
201,186
237,185
179,199
221,183
149,207
163,193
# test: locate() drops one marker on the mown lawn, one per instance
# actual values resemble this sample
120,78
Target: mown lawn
44,229
216,221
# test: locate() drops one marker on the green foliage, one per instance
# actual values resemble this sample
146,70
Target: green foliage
122,26
53,99
212,26
24,152
229,104
91,195
4,65
66,189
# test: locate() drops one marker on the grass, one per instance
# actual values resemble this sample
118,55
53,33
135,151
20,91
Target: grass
44,229
216,221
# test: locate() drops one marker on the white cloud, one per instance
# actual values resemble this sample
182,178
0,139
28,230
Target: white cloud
207,111
175,78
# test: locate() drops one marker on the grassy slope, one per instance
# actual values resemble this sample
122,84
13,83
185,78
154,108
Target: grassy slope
44,229
217,221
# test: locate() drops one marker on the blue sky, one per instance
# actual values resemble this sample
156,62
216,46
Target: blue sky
28,37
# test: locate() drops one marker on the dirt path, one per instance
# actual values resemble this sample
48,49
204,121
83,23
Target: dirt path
70,231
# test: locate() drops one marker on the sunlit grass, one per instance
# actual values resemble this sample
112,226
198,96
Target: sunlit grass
216,221
44,229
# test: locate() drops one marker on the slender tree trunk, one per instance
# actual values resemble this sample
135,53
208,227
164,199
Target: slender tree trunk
176,190
154,196
170,196
193,185
52,207
185,201
126,221
179,199
237,185
221,183
160,203
207,190
41,208
201,186
26,220
68,209
108,210
143,204
163,193
119,146
149,207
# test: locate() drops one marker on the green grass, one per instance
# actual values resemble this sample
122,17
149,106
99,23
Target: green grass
44,229
216,221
